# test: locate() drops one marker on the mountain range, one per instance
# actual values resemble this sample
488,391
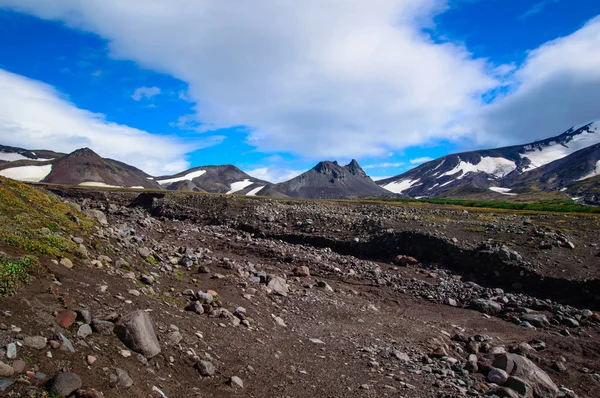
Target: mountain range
568,163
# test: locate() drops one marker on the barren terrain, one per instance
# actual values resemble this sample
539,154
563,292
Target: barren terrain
260,297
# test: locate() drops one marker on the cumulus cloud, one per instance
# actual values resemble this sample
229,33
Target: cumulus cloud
420,160
556,87
321,78
35,116
273,173
145,92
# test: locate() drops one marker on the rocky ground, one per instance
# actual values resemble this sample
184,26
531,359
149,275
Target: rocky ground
214,296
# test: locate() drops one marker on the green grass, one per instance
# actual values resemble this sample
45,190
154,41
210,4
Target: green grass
35,222
561,206
15,273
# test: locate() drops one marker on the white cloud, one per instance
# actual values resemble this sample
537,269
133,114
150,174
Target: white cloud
327,78
420,160
35,116
383,165
273,173
145,92
556,87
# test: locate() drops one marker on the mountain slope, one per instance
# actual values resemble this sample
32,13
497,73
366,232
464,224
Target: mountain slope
329,180
11,154
216,179
85,167
491,167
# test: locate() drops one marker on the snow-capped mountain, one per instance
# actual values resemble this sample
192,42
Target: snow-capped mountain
498,169
329,180
82,167
226,179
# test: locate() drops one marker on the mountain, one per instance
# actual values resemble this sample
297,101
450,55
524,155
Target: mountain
329,180
81,167
12,154
499,169
226,179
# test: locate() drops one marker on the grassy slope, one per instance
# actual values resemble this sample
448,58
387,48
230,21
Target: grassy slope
34,223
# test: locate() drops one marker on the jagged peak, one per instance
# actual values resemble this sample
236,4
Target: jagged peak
83,152
354,168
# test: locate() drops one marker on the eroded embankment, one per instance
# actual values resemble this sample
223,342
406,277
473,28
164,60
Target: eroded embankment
484,267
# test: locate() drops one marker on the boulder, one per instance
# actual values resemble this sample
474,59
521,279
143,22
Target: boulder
486,306
136,331
525,376
64,384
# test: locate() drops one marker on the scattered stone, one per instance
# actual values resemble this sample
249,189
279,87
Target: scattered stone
278,285
11,350
84,331
64,384
65,343
235,381
97,215
537,320
6,370
5,384
206,368
486,306
324,285
136,331
65,262
90,359
19,366
497,376
303,271
144,252
147,279
66,318
103,327
406,260
120,378
196,307
36,342
316,341
89,394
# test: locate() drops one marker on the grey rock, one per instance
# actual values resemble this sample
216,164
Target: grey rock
84,331
64,383
196,307
11,350
278,285
526,377
486,306
36,342
84,315
235,381
65,343
103,327
147,279
144,252
6,370
206,368
19,366
537,320
5,384
120,378
97,215
497,376
136,331
402,356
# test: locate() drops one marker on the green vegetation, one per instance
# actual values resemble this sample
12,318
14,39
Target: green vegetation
15,272
36,222
568,206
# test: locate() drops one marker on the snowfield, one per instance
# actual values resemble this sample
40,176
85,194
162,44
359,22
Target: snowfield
548,154
12,156
239,185
27,173
498,167
254,191
503,191
97,184
400,186
189,176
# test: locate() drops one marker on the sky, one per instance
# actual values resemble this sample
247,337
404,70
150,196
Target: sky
275,87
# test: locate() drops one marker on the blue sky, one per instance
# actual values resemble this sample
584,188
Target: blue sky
166,86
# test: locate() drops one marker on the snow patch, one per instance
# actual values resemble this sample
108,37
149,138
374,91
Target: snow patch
254,191
503,191
188,176
97,184
239,185
137,187
593,173
27,173
13,156
400,186
542,156
498,167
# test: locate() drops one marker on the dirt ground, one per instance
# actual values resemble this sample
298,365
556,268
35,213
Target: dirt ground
359,325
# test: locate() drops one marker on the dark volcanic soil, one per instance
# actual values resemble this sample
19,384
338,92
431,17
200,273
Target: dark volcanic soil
359,325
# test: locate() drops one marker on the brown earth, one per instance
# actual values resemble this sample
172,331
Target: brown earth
374,311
